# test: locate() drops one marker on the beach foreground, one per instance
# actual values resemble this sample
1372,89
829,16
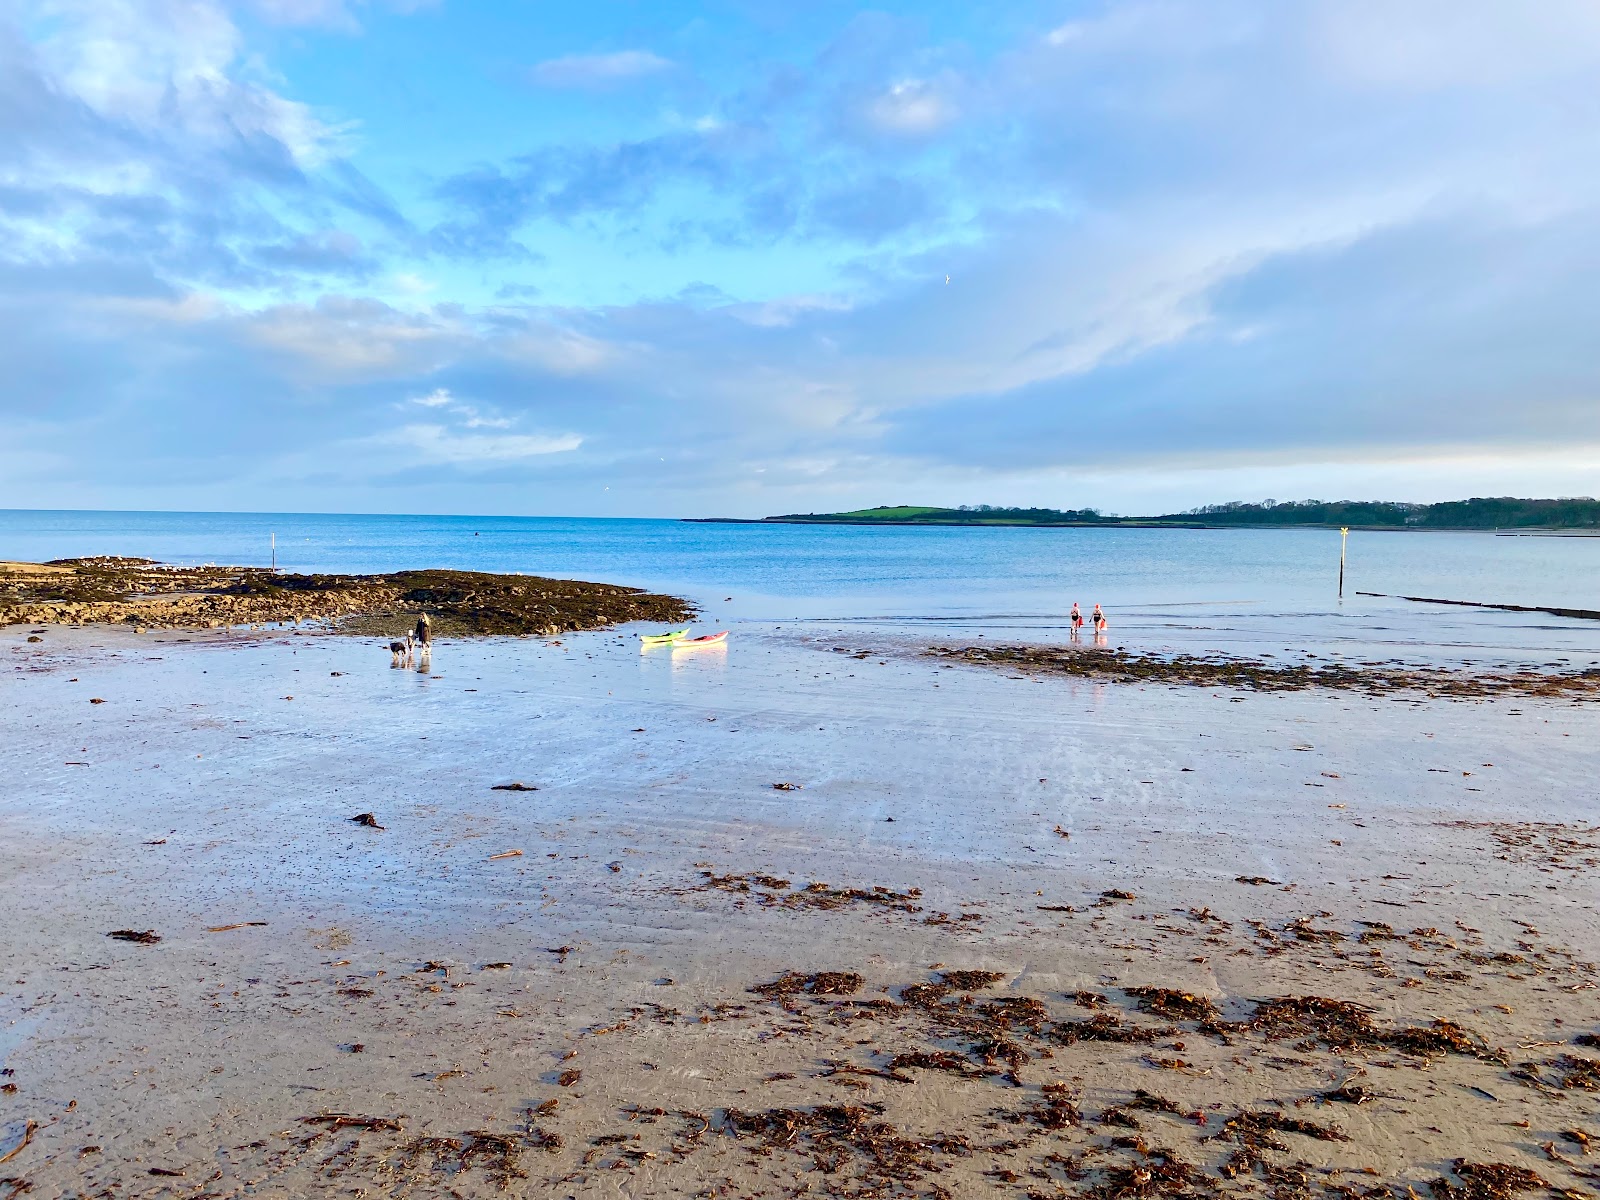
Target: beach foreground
794,917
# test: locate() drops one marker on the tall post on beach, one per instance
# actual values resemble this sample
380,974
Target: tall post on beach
275,558
1344,536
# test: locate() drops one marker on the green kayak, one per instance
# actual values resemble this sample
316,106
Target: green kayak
662,639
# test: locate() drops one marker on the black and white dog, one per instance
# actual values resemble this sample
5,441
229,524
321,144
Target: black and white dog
400,652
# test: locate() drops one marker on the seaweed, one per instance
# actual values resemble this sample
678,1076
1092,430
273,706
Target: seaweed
1348,1093
1344,1025
1486,1181
820,983
1105,1027
1000,1049
938,1060
338,1120
814,895
1009,1012
1441,1037
923,995
836,1136
1055,1109
497,1154
1258,675
971,981
1158,1173
1253,1132
1578,1072
1302,930
1174,1005
1121,1115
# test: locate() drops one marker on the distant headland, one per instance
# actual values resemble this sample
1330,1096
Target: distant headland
1581,514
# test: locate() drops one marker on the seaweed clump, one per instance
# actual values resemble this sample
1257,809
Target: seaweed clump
837,1136
1174,1005
496,1154
1486,1181
1156,1173
1106,1027
814,895
821,983
971,981
1259,675
1254,1132
1345,1025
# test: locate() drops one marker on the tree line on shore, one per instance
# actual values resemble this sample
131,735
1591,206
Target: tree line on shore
1480,512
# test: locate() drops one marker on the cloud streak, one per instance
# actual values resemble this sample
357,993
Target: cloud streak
597,70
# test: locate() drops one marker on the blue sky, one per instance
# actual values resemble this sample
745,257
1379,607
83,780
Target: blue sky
747,257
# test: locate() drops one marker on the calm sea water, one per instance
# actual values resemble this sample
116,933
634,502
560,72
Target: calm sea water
1181,588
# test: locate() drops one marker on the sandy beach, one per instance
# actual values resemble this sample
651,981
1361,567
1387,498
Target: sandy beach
811,914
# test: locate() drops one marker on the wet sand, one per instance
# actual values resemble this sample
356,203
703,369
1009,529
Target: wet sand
578,1019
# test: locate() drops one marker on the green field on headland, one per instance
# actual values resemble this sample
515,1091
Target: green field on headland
1501,512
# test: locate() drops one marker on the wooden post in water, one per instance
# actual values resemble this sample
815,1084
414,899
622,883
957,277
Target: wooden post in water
1344,536
275,563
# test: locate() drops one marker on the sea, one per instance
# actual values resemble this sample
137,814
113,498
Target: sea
1168,590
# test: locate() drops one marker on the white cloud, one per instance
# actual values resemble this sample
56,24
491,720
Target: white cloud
327,14
597,70
411,284
175,67
345,339
471,417
437,444
786,310
1423,44
563,351
913,107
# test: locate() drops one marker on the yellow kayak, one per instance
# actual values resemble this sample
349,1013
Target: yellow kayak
663,639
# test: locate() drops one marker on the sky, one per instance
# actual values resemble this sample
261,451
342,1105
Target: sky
744,257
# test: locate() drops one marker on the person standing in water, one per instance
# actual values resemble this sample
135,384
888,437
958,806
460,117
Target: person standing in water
1076,618
424,640
1099,619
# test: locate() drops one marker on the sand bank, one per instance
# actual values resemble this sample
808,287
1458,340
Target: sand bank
693,982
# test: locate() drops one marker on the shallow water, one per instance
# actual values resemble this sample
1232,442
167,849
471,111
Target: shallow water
1231,590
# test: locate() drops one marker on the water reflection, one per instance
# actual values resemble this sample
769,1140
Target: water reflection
689,660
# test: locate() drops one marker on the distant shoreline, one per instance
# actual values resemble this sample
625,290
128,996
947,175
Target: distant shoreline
1573,516
1520,531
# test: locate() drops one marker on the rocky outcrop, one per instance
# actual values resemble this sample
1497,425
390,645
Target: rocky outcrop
146,594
